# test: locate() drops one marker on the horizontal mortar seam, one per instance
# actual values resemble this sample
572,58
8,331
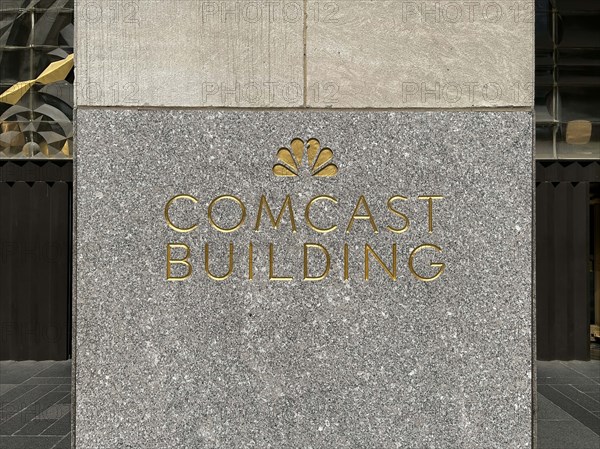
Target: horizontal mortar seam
296,109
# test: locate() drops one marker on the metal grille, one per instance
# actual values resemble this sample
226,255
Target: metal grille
36,79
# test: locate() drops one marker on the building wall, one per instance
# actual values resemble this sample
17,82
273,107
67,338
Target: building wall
202,98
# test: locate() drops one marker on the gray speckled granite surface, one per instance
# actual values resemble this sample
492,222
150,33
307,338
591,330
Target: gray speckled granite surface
329,364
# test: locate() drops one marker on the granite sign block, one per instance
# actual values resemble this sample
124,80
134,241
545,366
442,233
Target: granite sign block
303,279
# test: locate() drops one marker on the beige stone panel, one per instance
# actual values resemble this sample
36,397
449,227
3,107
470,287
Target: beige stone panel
420,54
189,53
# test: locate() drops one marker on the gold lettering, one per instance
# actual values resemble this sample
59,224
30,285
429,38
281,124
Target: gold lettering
184,261
323,275
214,202
430,199
168,207
346,262
272,276
441,267
307,214
399,214
250,261
286,204
206,259
356,216
391,273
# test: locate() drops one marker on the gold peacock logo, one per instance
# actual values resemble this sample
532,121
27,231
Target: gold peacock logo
319,160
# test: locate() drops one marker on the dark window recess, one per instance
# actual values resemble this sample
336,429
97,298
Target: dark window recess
36,201
565,281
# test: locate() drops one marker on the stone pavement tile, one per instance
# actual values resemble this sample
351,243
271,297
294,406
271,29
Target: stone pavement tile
19,420
548,410
65,443
17,372
60,427
585,401
21,402
588,368
590,388
66,399
59,369
555,369
565,435
594,395
28,442
55,412
36,426
47,381
15,393
581,380
570,406
5,388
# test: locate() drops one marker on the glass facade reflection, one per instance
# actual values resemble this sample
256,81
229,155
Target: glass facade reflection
36,79
567,97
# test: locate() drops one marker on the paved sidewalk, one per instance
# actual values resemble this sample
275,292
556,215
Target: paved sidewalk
569,405
35,405
35,399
